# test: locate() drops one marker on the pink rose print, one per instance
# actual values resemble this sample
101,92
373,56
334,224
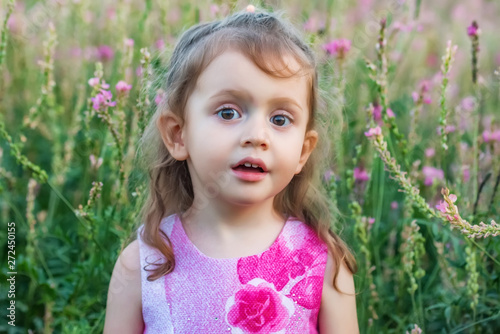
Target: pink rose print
279,264
307,292
258,309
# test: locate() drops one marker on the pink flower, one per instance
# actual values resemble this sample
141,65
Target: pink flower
371,220
314,24
122,87
338,47
160,44
473,29
103,100
432,174
105,52
429,153
129,42
491,136
468,103
453,198
466,173
93,82
374,132
442,206
138,71
394,205
415,96
360,174
214,9
258,309
449,129
159,97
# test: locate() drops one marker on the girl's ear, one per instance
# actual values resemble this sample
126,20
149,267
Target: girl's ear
310,140
171,130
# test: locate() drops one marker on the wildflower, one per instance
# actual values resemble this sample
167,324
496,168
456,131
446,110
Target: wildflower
466,173
394,205
314,24
105,52
423,95
449,129
338,47
93,82
250,9
374,132
214,9
122,87
473,30
377,114
489,136
159,96
371,220
159,44
360,174
129,42
429,153
103,100
468,103
431,174
442,206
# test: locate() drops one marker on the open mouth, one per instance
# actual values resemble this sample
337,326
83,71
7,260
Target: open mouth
250,169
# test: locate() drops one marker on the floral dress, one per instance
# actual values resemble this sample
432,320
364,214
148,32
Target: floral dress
276,291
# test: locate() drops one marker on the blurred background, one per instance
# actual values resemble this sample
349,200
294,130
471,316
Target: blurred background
426,73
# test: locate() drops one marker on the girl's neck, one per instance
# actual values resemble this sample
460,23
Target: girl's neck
226,221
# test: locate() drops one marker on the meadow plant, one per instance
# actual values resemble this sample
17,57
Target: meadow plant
77,93
445,69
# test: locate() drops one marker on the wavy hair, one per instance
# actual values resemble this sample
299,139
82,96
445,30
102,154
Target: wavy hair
265,38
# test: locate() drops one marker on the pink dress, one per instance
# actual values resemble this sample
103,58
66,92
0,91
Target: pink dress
276,291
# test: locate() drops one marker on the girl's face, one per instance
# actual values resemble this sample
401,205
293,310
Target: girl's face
238,114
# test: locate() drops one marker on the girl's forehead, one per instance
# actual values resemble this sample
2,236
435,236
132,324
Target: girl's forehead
233,69
233,65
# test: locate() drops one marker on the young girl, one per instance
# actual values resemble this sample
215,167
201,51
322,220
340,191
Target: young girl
236,235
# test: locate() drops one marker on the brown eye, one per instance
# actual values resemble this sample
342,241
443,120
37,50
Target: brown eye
228,113
280,120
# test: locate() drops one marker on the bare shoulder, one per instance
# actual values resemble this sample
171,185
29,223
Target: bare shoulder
124,306
337,313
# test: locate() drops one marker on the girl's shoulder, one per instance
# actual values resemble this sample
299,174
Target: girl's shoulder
124,306
166,225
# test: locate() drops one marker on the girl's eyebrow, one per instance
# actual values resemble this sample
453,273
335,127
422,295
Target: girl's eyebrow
245,95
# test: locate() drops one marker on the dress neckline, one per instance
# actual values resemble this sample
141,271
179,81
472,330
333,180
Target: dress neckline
203,255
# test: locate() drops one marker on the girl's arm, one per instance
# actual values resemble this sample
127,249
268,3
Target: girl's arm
124,307
337,313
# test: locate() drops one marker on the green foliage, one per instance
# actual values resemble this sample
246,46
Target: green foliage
68,177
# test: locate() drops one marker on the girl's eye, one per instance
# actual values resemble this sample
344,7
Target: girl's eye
228,113
280,120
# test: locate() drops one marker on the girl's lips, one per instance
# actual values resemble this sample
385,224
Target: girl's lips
249,175
254,161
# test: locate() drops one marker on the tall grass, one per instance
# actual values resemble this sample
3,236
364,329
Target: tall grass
416,176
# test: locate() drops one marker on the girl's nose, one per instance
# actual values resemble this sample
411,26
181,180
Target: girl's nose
256,134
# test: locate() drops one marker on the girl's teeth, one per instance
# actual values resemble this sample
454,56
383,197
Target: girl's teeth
247,164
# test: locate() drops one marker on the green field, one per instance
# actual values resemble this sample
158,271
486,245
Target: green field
71,188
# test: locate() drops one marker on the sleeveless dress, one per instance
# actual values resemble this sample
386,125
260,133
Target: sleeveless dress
276,291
